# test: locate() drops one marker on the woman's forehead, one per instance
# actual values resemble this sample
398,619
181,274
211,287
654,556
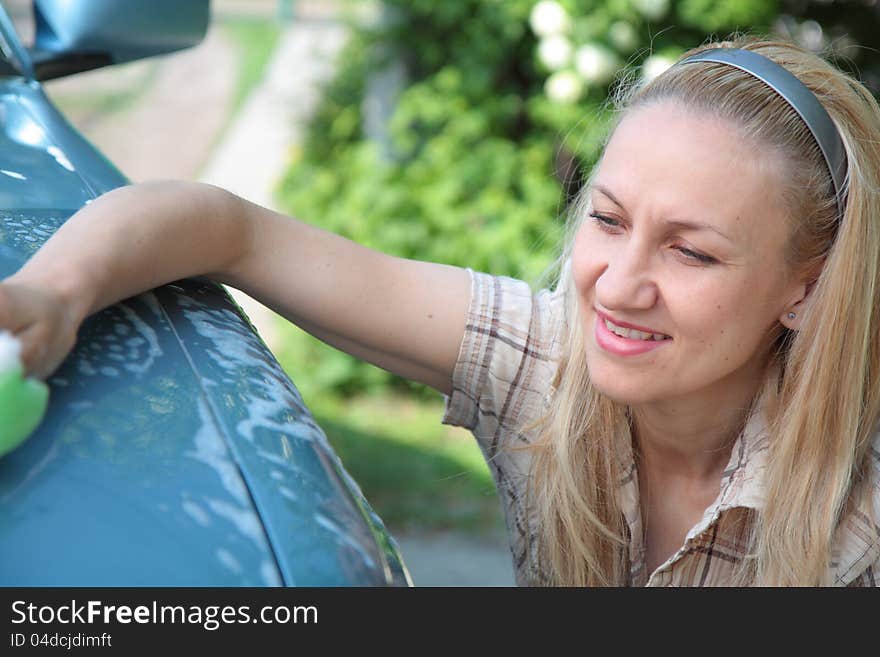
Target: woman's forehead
664,159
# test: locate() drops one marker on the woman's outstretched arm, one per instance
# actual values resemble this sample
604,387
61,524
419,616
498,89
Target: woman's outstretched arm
403,315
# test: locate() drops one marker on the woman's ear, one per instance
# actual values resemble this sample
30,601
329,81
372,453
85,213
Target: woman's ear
793,314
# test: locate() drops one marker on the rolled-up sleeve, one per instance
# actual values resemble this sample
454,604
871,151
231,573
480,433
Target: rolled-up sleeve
504,364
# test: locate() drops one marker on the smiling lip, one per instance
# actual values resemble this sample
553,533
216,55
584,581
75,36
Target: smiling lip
620,346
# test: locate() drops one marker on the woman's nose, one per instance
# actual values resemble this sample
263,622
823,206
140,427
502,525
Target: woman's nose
627,282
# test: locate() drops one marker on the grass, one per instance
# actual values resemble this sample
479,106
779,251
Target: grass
255,39
415,472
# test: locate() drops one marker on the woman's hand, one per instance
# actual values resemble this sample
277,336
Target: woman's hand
43,320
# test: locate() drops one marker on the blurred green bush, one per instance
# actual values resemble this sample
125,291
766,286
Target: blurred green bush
490,132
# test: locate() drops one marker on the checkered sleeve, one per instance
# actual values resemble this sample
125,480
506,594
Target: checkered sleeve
504,366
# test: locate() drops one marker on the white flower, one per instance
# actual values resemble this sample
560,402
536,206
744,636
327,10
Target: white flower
10,351
652,9
623,36
810,36
554,52
655,65
595,63
564,87
549,18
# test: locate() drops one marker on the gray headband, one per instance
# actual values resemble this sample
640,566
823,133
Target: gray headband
796,94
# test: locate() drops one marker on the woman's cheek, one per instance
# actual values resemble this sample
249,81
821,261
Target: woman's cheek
586,261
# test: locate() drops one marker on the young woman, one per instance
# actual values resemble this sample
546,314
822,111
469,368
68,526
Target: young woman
695,403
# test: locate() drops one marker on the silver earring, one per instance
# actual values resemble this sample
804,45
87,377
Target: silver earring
792,315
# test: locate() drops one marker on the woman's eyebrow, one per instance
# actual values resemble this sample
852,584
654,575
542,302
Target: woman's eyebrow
605,191
677,223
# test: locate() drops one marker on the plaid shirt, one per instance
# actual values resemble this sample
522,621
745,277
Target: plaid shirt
502,376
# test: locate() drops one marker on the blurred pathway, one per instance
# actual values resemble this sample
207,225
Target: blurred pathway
455,558
255,150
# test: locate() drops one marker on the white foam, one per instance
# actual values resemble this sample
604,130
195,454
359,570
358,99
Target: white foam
196,512
230,562
10,351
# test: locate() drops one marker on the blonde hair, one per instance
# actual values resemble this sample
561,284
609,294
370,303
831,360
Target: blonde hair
819,430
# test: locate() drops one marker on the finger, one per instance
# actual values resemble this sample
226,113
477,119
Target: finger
36,355
14,308
5,304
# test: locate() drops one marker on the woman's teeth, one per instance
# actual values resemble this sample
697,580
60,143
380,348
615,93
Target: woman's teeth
633,334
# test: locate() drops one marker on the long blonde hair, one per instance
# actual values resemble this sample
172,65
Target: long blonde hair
827,392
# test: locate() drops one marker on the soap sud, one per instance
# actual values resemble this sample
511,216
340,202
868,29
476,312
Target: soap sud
212,451
10,351
225,557
270,575
245,521
289,494
343,539
197,513
145,332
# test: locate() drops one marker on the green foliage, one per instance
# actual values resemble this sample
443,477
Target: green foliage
255,40
721,15
466,172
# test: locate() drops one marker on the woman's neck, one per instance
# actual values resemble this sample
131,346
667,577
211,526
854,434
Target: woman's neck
691,438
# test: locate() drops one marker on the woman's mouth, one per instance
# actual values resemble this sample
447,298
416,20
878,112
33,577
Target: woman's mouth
625,340
633,334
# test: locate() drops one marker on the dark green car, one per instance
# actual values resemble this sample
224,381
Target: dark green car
175,451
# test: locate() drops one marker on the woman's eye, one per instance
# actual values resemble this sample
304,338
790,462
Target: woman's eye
605,222
693,255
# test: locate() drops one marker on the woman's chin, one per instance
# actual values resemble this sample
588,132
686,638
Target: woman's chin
624,396
625,388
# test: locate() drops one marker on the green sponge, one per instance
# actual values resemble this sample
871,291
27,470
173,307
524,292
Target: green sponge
23,401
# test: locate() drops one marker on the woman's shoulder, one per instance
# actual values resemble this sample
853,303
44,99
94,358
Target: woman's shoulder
527,326
535,315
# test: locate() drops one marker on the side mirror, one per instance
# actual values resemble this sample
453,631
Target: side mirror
71,37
